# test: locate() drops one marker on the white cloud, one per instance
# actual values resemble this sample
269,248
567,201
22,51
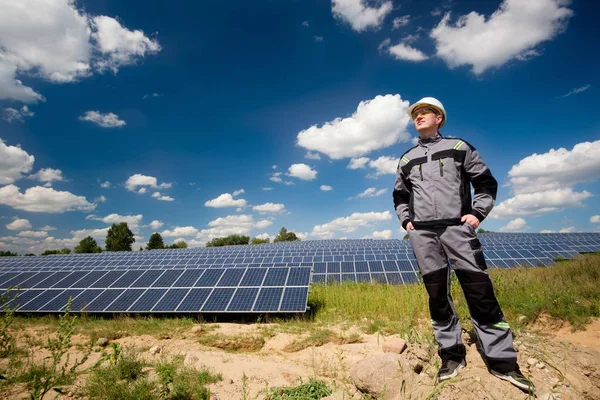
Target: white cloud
275,177
312,156
153,95
14,162
237,192
134,181
266,188
539,203
326,188
577,90
543,183
512,31
377,123
225,200
302,171
386,234
144,190
180,231
33,234
269,208
402,51
94,233
317,39
384,165
56,41
231,225
105,184
359,15
19,115
108,120
48,175
516,225
305,24
100,199
47,228
274,166
349,224
372,192
357,163
570,229
264,236
133,221
41,199
19,224
161,197
263,223
595,219
401,21
156,224
557,168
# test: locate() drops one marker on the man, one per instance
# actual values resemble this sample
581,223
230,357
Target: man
432,197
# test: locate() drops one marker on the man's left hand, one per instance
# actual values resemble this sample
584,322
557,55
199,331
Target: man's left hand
471,219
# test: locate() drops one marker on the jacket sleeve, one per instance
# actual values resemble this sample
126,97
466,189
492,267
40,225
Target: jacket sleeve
484,184
402,189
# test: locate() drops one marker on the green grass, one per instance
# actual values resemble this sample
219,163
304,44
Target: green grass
570,292
313,389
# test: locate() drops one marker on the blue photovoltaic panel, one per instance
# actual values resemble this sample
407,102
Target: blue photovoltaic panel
104,299
218,299
294,299
168,278
276,277
60,300
268,300
39,300
194,300
86,297
243,299
253,277
127,279
147,278
170,300
125,300
231,277
188,278
148,300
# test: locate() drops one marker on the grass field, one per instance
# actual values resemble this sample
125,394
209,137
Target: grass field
569,292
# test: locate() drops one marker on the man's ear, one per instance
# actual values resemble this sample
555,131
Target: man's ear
438,119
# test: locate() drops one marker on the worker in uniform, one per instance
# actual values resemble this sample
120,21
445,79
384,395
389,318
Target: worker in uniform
432,198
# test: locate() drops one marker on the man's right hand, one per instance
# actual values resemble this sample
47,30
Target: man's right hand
409,226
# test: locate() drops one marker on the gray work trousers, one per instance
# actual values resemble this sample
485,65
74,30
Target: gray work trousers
459,245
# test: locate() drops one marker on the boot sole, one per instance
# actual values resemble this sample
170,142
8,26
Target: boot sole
515,382
452,375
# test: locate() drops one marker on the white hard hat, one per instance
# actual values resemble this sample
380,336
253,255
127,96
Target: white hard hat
432,102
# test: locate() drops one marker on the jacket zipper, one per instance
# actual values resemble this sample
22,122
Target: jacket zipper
421,171
441,167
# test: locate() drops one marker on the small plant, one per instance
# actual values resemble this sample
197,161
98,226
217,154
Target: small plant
7,341
313,389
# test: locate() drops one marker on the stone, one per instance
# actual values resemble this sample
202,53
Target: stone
532,361
198,329
394,345
102,342
154,350
191,359
522,318
540,365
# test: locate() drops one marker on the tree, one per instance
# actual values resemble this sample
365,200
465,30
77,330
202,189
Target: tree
259,241
62,251
29,255
155,242
178,245
119,238
7,254
87,246
405,237
230,240
481,230
285,236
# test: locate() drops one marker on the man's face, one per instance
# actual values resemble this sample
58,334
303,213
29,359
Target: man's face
426,119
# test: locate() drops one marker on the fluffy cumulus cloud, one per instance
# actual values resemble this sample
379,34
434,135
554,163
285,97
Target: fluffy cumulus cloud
326,188
544,182
376,124
180,231
160,197
107,120
17,115
313,156
269,208
33,234
513,31
359,14
569,229
302,171
385,234
225,200
143,181
595,219
381,166
238,192
401,21
349,224
41,199
19,224
133,221
515,225
56,41
372,192
48,175
14,163
539,203
231,225
403,51
105,185
156,224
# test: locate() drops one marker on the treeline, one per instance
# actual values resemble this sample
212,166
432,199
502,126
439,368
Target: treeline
120,238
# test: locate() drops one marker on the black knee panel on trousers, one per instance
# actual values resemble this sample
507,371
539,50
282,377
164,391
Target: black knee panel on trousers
480,297
436,284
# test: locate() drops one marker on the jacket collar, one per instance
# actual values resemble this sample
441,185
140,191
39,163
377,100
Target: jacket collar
430,140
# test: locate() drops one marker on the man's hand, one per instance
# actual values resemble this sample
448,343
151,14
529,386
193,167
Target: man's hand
471,219
409,226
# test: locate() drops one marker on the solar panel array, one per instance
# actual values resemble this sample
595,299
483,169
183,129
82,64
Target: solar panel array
248,279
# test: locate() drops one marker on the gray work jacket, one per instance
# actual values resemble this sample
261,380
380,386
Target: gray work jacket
433,184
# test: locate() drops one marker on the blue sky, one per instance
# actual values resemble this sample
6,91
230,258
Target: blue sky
210,119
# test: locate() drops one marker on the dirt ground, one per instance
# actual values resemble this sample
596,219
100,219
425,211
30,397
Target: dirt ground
563,364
